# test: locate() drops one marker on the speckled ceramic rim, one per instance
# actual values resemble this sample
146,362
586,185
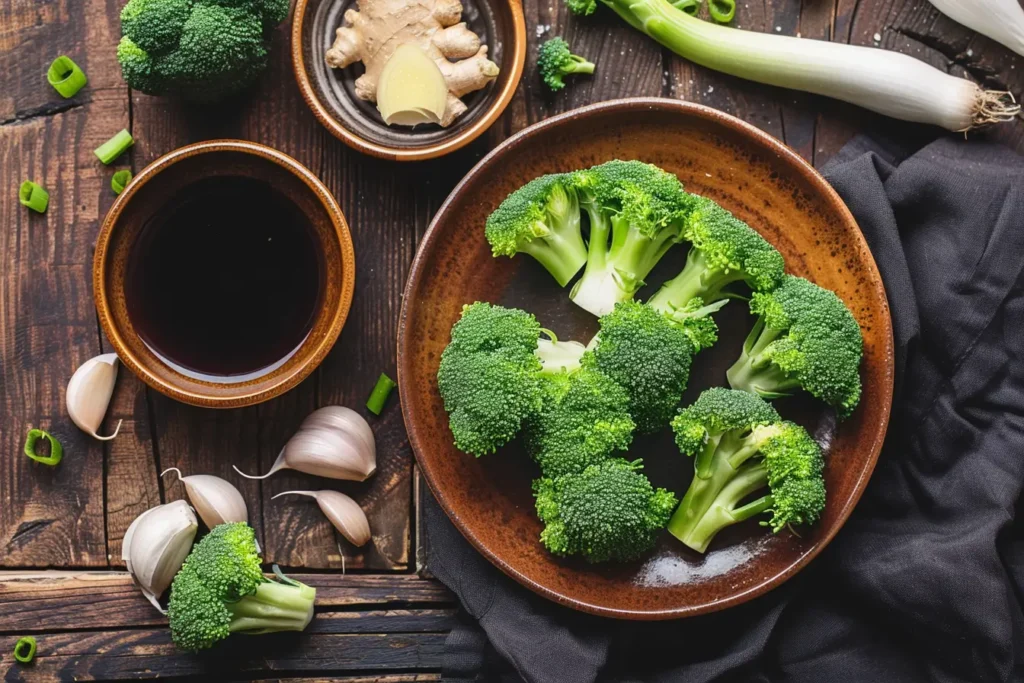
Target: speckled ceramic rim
518,47
309,357
786,156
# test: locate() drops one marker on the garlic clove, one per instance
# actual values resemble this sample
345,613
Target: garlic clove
89,392
155,547
345,420
343,512
411,88
215,499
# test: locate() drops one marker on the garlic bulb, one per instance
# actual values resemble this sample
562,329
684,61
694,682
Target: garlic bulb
343,512
215,499
333,442
155,547
89,393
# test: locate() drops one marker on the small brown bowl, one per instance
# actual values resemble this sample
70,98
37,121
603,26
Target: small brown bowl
149,192
330,93
761,181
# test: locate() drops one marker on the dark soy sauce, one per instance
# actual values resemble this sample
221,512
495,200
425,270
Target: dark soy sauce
226,279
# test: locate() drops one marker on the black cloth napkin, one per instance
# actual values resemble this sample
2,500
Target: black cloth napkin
925,581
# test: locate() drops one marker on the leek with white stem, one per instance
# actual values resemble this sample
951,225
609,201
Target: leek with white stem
886,82
1000,20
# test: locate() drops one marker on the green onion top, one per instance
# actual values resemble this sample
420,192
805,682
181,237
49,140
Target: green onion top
380,394
119,180
114,147
65,77
33,196
722,11
691,7
56,451
25,649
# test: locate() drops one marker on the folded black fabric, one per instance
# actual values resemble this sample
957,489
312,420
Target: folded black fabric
925,581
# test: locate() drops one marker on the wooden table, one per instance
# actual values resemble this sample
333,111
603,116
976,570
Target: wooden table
61,573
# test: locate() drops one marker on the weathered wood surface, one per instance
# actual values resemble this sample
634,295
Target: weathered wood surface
386,626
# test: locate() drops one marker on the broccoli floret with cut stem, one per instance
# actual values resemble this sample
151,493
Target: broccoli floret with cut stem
220,590
637,213
542,219
609,512
804,338
584,420
740,447
724,250
555,61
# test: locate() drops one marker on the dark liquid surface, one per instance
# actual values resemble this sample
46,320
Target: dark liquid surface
225,280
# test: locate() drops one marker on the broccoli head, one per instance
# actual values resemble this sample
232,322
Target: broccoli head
805,338
609,511
555,61
724,250
203,50
221,590
637,212
741,447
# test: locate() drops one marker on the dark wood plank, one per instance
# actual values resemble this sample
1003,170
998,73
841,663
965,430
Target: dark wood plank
400,678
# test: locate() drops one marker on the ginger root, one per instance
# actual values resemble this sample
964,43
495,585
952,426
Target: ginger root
373,33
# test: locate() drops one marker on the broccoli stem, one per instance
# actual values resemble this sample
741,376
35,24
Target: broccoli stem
556,356
712,504
273,607
754,373
696,279
562,255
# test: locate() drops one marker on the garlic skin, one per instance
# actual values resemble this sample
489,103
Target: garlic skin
155,547
333,442
89,392
215,499
343,512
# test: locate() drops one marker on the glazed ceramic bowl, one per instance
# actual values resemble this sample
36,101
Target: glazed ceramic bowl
330,93
761,181
169,177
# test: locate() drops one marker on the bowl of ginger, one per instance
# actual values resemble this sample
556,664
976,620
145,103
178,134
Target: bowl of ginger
408,79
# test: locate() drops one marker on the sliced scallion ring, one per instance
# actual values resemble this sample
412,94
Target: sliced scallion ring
119,180
722,11
56,451
114,147
33,196
380,394
25,649
691,7
65,77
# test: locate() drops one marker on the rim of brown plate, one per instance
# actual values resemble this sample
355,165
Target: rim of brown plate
323,346
809,173
361,144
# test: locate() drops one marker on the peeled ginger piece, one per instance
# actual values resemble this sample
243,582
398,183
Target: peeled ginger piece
411,89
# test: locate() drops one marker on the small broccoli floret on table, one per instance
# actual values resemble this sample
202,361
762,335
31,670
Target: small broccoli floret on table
221,590
724,250
741,447
637,212
555,61
542,219
609,512
804,338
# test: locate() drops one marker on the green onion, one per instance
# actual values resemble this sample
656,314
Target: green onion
25,649
119,180
56,452
114,147
691,7
65,77
722,11
380,394
33,196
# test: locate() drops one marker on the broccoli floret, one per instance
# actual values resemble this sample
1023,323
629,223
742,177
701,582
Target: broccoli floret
555,61
724,250
203,50
489,376
584,420
610,511
649,356
637,212
741,446
695,320
583,8
542,219
220,590
805,338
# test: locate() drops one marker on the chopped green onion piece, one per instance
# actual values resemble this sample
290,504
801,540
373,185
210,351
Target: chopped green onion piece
114,147
691,7
380,394
56,452
722,11
33,196
25,649
65,77
119,180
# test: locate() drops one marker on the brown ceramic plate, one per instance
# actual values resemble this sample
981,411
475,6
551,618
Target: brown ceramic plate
330,93
762,182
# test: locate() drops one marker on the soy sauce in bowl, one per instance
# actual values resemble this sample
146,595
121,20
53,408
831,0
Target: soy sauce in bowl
224,282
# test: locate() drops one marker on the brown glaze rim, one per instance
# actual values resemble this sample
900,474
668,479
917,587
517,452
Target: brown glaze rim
312,358
361,144
815,179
